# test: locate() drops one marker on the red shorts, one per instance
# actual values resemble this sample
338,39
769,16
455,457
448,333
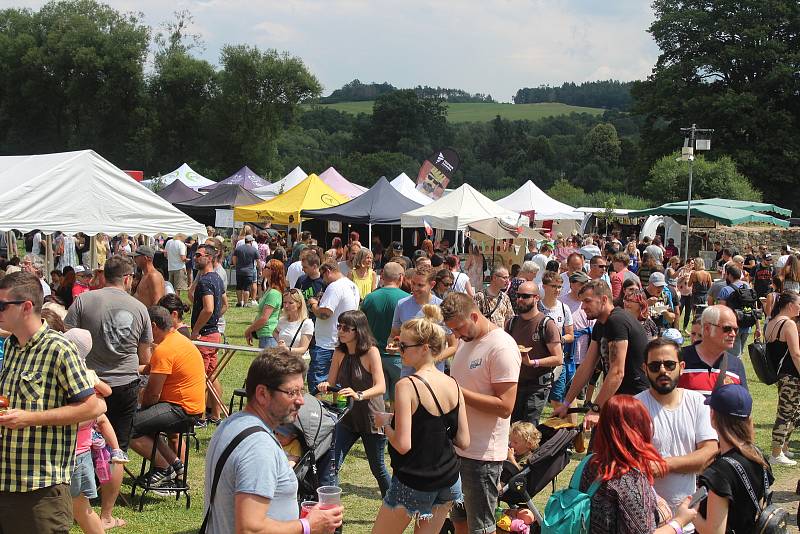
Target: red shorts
209,354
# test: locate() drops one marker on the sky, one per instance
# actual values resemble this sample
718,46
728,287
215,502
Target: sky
490,46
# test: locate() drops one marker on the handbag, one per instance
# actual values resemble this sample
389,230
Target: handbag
764,367
770,519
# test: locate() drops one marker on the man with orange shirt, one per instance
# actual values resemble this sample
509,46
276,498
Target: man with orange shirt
174,395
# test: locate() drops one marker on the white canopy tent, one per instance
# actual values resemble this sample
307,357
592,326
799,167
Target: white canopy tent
530,198
408,189
82,192
296,176
185,174
457,210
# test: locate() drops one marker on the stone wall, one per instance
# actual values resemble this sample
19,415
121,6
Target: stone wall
744,236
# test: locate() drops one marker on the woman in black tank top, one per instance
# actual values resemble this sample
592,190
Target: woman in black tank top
783,348
429,420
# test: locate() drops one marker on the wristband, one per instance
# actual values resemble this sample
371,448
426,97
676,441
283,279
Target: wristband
535,363
307,526
677,526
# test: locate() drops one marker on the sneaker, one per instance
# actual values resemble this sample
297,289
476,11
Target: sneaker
200,423
118,456
788,454
160,477
253,303
177,468
239,304
781,459
213,421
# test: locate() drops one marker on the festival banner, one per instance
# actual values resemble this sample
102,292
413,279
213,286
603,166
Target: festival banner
436,172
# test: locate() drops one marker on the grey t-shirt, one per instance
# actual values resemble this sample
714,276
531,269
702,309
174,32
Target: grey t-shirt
118,323
257,466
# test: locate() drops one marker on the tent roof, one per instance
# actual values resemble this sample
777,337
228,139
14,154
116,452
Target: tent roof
381,204
187,175
340,184
726,216
530,198
311,193
497,229
82,192
244,177
227,195
178,191
408,188
761,207
458,209
296,176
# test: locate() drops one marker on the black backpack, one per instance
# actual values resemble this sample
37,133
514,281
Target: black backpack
744,302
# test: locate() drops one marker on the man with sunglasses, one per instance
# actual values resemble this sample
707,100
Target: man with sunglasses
682,430
598,269
704,359
49,393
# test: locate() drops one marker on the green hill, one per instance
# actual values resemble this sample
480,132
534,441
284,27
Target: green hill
480,112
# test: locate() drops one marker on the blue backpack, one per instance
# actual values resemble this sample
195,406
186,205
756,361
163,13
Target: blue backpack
567,510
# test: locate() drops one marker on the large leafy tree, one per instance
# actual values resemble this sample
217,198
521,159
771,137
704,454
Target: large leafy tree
731,65
669,180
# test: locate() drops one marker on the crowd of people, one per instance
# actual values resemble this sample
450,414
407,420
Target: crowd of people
449,364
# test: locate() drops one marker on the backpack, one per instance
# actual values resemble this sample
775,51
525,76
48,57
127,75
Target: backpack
770,519
567,510
744,302
540,330
766,368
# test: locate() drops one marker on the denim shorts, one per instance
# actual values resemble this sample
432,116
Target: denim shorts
82,481
480,479
419,504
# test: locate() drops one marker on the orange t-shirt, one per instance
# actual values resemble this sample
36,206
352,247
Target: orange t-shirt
179,359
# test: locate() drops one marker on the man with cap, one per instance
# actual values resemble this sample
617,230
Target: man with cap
83,275
244,258
659,298
151,285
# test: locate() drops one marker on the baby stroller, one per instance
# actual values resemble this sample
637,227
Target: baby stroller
544,465
316,421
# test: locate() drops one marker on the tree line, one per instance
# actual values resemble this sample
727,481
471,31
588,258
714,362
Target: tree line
356,91
607,94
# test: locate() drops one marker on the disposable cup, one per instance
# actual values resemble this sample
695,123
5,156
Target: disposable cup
306,507
329,496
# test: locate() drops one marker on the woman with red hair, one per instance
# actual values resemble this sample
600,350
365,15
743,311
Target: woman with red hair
269,306
625,461
636,304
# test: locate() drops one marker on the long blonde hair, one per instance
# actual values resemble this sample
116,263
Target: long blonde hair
297,296
426,330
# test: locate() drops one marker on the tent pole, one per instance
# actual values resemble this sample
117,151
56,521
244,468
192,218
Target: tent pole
401,235
48,253
369,243
92,252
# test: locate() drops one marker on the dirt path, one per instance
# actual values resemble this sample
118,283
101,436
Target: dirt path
784,495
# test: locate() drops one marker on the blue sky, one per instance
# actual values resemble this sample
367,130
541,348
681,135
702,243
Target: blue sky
494,46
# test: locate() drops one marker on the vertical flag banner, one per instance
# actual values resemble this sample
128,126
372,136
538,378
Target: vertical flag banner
436,172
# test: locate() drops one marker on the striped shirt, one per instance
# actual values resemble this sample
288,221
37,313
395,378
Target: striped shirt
701,377
44,374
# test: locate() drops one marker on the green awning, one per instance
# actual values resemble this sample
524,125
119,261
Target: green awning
726,216
761,207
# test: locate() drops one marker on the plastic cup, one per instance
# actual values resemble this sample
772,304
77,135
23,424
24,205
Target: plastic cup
329,497
306,507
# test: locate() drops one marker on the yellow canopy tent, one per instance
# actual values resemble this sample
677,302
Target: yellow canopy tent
310,194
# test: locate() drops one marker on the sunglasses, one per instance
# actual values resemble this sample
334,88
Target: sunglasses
403,347
525,295
602,266
6,303
727,328
344,328
655,367
555,286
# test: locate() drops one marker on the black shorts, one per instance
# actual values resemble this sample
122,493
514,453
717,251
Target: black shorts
244,280
161,417
120,408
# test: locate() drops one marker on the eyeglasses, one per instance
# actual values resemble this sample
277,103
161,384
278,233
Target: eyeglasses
501,276
525,295
655,367
199,254
344,328
6,303
404,347
727,328
294,394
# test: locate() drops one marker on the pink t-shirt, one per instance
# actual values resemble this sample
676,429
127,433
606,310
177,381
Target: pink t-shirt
491,359
84,441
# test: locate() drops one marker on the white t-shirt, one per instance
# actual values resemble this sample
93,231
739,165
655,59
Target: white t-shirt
781,263
294,272
677,433
340,296
460,282
491,359
175,249
220,270
560,313
36,248
285,331
540,260
45,288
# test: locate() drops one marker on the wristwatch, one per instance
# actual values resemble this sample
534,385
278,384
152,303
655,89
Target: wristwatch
594,407
360,395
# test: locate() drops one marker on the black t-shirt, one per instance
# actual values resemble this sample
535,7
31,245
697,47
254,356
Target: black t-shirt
622,326
208,284
762,278
310,288
721,477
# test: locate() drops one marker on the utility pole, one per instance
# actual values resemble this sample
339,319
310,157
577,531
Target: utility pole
690,144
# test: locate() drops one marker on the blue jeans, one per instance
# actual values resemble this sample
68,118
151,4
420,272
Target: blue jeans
267,342
740,341
562,383
374,447
318,367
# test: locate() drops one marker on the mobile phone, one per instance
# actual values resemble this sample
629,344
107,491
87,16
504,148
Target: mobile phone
699,496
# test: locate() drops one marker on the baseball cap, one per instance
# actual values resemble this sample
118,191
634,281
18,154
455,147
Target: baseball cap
657,279
144,251
248,239
674,334
397,245
82,270
767,256
731,399
579,276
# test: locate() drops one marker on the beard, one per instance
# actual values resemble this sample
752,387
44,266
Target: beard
525,308
663,387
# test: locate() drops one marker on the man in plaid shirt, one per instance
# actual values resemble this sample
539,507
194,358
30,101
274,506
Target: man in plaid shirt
49,393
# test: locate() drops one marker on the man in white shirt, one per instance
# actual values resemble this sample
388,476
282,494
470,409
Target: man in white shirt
656,250
682,430
295,270
340,295
545,254
574,264
175,250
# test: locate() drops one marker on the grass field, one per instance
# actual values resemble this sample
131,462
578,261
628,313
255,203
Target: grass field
361,497
476,112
